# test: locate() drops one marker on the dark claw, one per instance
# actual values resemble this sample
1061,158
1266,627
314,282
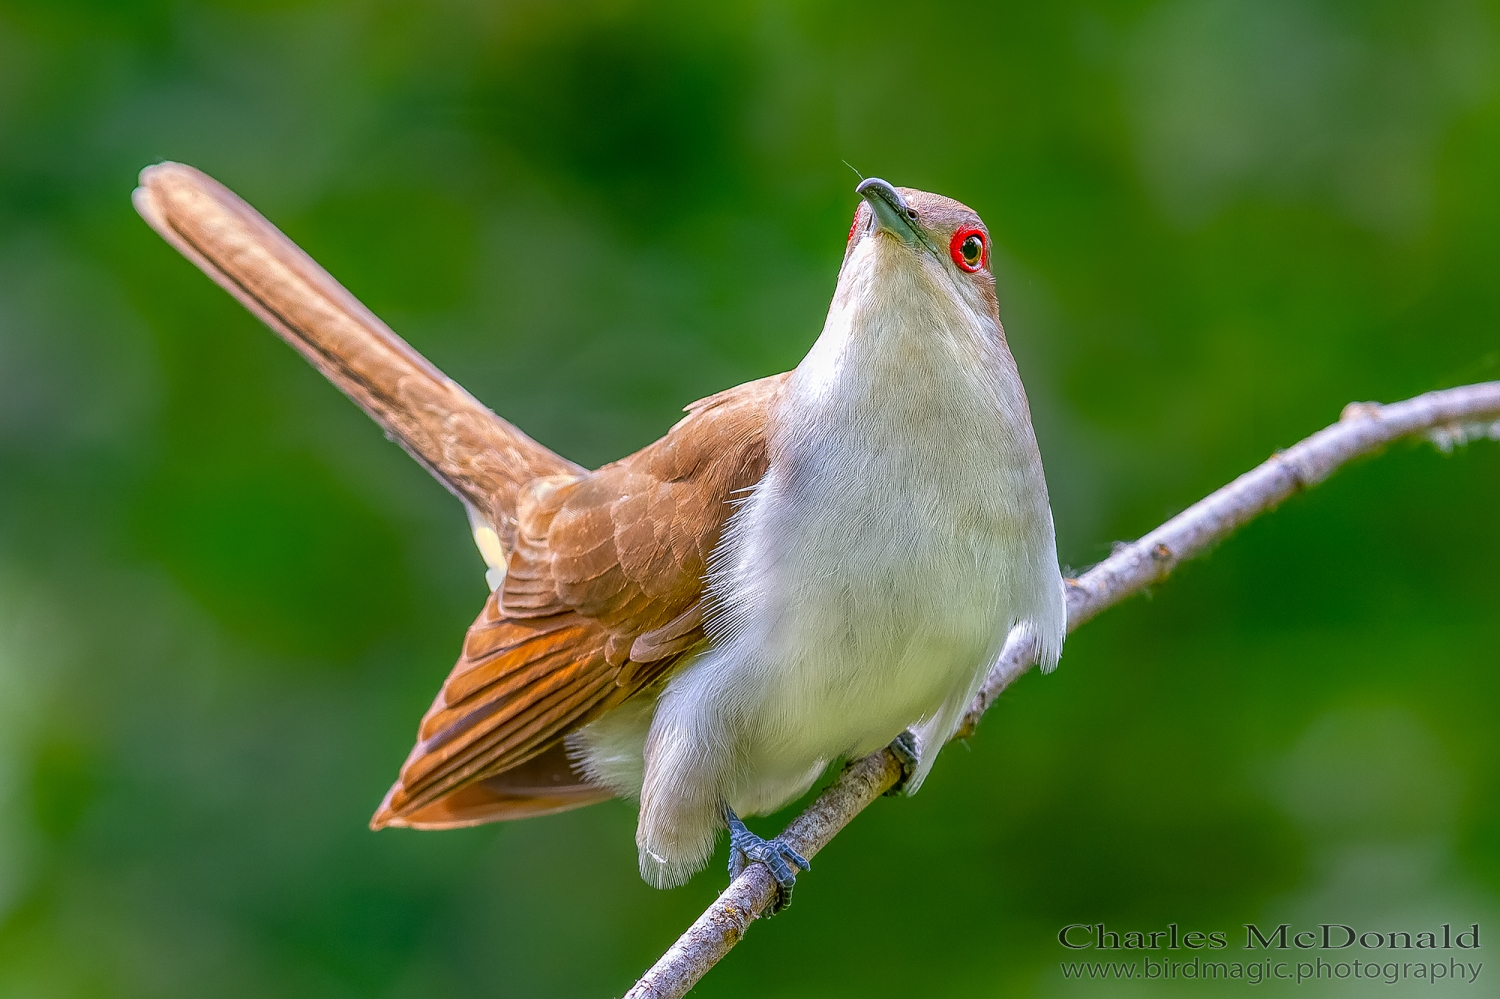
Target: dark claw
904,748
746,848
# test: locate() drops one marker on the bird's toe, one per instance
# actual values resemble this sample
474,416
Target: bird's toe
746,848
904,748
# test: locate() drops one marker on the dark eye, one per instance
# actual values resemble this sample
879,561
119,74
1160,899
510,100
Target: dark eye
968,249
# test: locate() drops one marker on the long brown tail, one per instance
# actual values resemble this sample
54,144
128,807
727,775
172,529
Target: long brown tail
480,457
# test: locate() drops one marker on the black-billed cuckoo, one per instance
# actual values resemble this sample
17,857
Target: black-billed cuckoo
805,567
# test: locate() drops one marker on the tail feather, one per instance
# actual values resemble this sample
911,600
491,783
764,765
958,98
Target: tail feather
481,458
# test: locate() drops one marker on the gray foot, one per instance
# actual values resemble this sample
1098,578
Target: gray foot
746,848
904,748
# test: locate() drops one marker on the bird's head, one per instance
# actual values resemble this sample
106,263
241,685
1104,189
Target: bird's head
901,237
916,273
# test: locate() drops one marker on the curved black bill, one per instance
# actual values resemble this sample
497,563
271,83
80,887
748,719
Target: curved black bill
892,212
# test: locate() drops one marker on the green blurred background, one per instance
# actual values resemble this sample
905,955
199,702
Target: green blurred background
225,599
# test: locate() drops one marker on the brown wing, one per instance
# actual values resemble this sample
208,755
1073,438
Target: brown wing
603,594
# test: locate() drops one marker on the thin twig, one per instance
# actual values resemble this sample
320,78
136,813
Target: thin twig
1446,417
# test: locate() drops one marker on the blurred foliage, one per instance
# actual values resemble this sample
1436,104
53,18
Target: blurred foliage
225,599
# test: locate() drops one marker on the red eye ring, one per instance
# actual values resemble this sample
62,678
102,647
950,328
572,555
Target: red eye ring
970,261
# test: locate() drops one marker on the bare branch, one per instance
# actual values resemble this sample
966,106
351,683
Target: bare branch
1446,417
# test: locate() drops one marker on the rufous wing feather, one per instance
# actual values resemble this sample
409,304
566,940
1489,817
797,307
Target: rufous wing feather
544,784
604,594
